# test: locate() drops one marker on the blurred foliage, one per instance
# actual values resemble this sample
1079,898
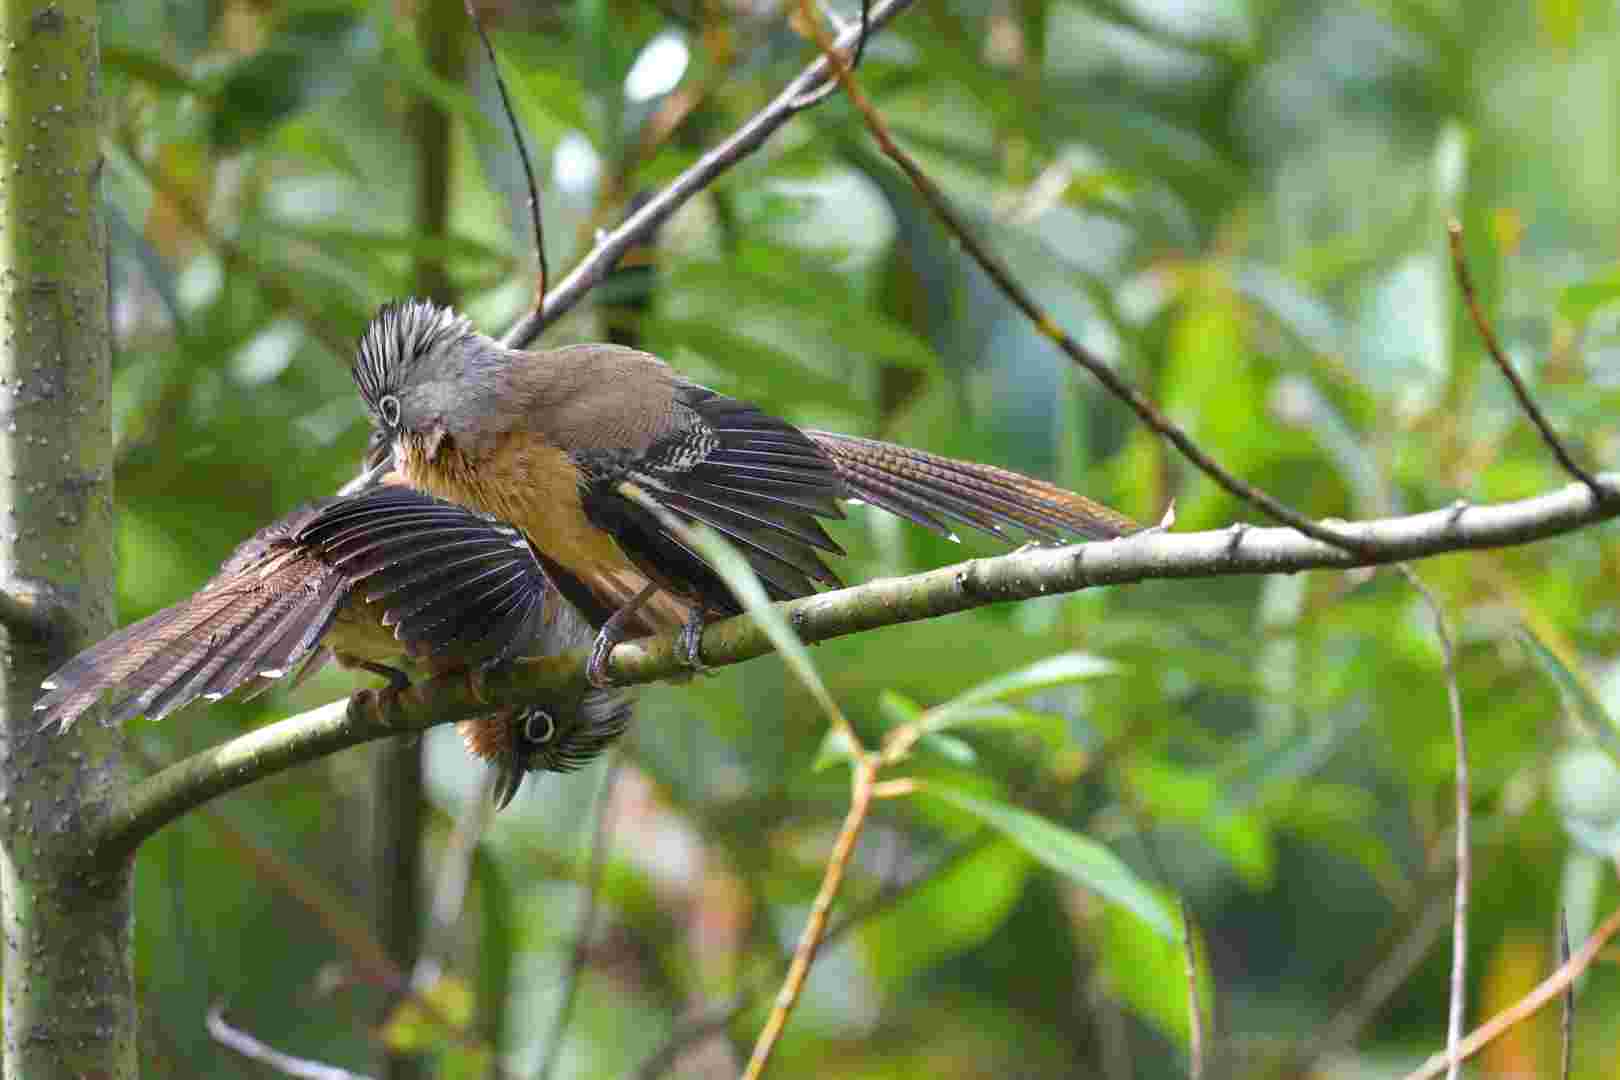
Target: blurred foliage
1240,204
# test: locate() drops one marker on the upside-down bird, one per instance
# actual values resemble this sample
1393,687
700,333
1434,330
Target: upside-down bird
581,448
385,577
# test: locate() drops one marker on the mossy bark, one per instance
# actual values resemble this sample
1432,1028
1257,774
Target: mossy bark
68,966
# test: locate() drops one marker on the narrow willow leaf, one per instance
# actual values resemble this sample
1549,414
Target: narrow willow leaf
1597,720
1082,860
1042,675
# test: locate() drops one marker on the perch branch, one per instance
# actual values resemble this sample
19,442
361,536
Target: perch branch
1021,575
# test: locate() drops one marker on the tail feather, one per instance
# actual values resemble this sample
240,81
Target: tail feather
926,488
209,645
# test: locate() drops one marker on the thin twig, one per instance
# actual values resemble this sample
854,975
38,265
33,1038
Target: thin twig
1465,283
1380,985
1566,1056
1459,736
1025,302
535,212
860,801
645,221
1022,575
1195,1012
714,1019
602,828
1550,987
269,1056
830,87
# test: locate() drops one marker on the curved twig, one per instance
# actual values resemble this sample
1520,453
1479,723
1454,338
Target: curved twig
1552,986
535,214
644,222
815,927
1459,911
1465,283
1025,302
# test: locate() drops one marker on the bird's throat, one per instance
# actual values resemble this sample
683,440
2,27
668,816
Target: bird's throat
534,486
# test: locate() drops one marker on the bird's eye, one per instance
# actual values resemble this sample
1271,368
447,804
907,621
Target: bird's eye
388,409
538,726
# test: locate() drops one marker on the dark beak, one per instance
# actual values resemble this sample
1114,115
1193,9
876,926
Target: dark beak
509,774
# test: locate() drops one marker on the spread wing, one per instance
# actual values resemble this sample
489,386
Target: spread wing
448,578
447,581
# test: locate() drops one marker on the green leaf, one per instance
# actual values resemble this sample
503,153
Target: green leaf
950,748
1057,670
146,67
835,749
1578,302
1149,971
956,909
310,58
1594,718
1083,861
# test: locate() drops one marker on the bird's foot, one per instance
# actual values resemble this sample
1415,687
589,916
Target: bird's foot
601,651
383,703
692,643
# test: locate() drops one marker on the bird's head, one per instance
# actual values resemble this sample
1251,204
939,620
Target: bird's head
540,739
429,380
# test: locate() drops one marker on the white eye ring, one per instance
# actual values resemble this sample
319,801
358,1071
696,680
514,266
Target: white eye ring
545,733
388,409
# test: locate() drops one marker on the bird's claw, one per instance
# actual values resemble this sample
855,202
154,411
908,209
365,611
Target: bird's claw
692,646
596,667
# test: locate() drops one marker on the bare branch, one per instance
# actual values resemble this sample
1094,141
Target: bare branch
860,801
1380,985
269,1056
1465,282
644,222
1459,917
1566,1027
35,608
1022,575
1552,986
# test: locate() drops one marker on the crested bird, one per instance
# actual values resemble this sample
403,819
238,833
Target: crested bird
569,444
386,577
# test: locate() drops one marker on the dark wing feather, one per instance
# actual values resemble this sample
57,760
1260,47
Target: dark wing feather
755,479
450,578
454,581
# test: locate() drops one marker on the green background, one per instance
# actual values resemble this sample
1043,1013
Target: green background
1240,206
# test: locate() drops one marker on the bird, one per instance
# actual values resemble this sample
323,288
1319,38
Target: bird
588,449
384,577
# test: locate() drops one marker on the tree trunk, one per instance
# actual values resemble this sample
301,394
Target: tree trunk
69,986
